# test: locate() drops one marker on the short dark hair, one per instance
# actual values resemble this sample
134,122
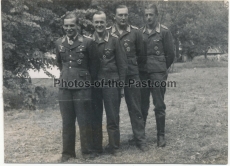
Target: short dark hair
99,13
118,7
152,6
70,15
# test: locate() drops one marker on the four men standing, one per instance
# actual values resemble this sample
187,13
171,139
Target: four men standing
116,54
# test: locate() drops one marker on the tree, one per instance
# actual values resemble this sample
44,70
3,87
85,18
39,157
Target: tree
29,31
197,25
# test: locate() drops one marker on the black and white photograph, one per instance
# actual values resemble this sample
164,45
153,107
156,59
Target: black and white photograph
114,81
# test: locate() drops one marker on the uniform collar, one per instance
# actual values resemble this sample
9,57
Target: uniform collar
73,37
157,29
115,28
65,41
105,37
78,36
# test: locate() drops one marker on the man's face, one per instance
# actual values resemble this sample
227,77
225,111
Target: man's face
99,22
121,16
150,16
70,27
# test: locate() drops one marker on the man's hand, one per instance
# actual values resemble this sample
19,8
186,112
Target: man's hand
122,93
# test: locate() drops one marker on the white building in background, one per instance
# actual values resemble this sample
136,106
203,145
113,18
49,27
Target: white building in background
41,74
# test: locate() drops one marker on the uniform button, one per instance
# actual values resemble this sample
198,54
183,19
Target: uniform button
70,61
70,67
70,55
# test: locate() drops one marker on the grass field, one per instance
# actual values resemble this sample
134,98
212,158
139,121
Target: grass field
196,124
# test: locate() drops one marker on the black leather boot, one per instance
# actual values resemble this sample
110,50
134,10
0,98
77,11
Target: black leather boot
160,121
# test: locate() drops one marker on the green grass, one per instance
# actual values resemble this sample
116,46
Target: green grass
196,125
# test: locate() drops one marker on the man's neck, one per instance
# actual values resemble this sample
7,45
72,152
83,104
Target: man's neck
72,37
121,27
101,35
151,26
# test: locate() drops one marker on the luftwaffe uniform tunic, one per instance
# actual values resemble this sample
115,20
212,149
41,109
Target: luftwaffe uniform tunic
112,67
132,43
160,55
75,60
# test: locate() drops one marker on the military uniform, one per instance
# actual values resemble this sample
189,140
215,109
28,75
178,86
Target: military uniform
160,55
131,41
112,67
76,62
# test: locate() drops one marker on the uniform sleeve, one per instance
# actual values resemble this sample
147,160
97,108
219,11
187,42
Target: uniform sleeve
94,61
121,60
58,57
141,56
168,48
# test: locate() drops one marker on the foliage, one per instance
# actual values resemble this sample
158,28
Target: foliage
31,27
198,25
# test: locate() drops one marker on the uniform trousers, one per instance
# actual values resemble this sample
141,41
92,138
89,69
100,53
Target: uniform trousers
158,99
133,101
111,98
76,103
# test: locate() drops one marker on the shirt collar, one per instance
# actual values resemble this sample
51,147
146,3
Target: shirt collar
105,36
73,37
114,28
157,29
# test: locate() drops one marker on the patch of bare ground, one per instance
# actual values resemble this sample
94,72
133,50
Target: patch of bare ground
196,126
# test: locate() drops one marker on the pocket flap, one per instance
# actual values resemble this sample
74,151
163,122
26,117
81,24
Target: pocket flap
80,49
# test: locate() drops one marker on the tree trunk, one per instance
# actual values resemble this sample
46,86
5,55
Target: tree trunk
177,47
205,54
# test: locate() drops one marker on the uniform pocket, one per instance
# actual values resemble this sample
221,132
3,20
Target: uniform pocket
156,64
84,75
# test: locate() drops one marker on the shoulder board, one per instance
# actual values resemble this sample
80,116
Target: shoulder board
114,35
164,26
108,28
87,37
134,27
